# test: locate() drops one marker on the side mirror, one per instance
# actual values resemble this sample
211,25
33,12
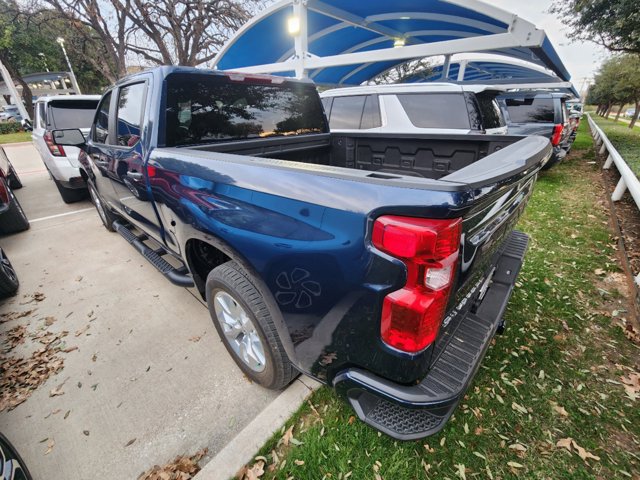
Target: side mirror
71,137
26,125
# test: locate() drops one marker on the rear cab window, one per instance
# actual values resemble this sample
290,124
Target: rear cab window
530,110
436,110
70,114
490,111
214,108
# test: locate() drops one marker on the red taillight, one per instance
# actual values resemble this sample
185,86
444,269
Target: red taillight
56,150
557,134
429,248
4,192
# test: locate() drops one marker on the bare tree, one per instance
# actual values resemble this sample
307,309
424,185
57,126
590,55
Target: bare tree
162,32
398,74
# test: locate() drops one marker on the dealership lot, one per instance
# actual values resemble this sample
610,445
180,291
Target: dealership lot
149,365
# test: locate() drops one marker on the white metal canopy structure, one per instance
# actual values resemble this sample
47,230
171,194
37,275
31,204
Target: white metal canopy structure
347,42
507,72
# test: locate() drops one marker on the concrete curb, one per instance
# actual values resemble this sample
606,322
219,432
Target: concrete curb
246,444
16,144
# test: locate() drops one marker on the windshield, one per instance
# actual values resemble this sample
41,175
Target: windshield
71,114
212,108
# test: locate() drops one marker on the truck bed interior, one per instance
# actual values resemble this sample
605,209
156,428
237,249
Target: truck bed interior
426,156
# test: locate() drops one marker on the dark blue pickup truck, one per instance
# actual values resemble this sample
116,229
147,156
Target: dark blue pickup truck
378,264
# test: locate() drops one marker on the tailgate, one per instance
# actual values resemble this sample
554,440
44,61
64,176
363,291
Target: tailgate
501,184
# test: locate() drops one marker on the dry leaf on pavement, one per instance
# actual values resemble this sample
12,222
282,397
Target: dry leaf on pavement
182,468
50,446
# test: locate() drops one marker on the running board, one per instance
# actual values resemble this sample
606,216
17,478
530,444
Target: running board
177,276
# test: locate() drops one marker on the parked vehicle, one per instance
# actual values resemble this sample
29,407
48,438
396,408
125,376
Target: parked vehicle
630,112
539,113
380,264
60,112
12,217
10,113
575,108
436,108
12,467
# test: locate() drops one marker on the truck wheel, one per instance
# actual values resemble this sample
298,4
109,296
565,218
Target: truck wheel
105,215
14,219
246,328
14,180
8,279
70,195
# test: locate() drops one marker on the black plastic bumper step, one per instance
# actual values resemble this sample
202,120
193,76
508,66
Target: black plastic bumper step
177,276
413,412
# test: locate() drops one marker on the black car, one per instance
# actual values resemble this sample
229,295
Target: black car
12,217
541,113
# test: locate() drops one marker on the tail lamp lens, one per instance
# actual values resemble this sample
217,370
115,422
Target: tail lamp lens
557,134
429,248
56,150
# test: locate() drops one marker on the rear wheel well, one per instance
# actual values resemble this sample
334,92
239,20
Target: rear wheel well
203,257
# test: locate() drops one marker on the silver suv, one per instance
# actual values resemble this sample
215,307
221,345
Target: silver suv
435,108
56,113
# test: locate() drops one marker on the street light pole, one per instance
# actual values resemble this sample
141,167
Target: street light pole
74,82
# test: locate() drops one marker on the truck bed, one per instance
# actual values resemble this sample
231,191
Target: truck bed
388,155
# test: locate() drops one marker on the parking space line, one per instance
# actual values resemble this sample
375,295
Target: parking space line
60,215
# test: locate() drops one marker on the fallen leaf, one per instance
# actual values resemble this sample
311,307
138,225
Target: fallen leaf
519,408
50,446
461,471
560,410
130,442
255,472
288,435
565,443
82,330
583,454
351,419
515,465
299,462
70,349
518,447
57,391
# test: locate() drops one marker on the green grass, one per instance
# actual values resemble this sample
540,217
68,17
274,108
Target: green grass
15,137
626,141
560,348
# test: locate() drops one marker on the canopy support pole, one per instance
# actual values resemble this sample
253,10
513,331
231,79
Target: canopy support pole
446,66
301,38
8,81
462,70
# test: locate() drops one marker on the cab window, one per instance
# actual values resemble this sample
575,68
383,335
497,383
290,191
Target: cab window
101,129
130,103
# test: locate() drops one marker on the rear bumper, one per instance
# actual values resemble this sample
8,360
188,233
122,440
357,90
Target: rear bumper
413,412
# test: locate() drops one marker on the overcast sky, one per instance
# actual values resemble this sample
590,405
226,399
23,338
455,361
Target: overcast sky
582,59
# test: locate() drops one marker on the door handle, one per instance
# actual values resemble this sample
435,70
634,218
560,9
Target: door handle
135,176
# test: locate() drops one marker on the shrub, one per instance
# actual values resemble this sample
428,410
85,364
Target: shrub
10,127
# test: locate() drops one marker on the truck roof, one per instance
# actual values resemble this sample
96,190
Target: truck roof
430,87
166,70
67,98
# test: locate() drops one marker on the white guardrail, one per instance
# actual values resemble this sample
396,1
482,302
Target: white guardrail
628,179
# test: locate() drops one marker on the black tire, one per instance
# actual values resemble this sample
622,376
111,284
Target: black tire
14,180
233,280
8,278
70,195
106,216
14,219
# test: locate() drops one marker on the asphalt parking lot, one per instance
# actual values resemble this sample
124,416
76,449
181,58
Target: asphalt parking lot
149,366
